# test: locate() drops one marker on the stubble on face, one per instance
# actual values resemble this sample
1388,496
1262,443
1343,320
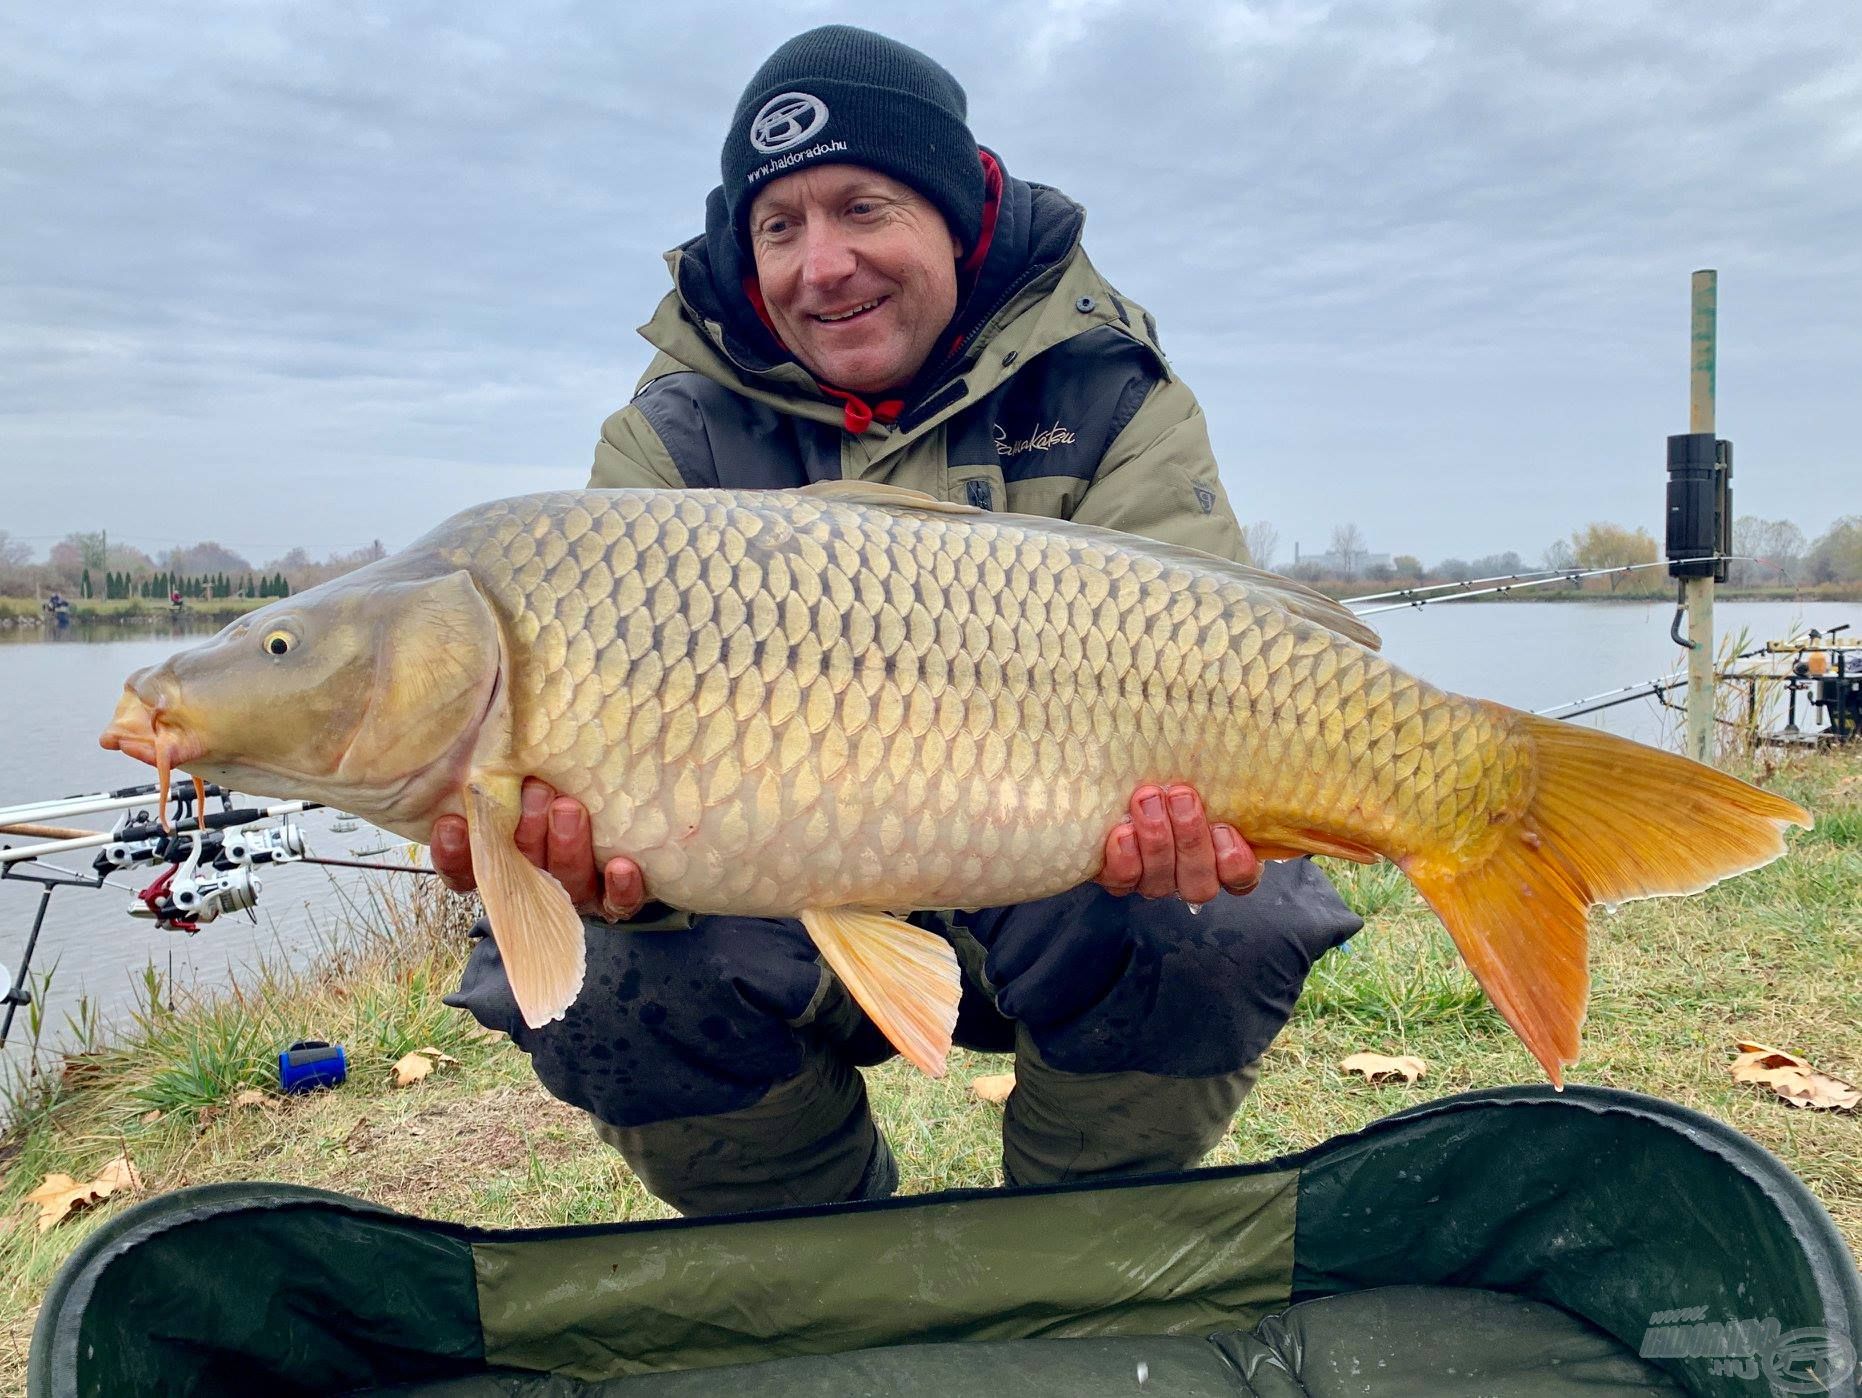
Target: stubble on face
858,273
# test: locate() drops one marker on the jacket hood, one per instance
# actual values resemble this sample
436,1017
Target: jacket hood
1029,229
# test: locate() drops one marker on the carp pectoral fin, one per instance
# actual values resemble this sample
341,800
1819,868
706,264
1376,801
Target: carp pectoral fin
533,920
903,976
892,496
1303,842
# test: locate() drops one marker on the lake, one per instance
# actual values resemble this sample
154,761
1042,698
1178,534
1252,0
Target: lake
57,691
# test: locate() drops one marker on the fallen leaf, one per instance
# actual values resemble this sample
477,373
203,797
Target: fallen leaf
150,1117
59,1196
1793,1079
251,1097
119,1176
1379,1067
993,1087
419,1064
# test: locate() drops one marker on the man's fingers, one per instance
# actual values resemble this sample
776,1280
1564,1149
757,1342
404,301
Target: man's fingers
1195,848
572,850
1157,846
1120,872
533,823
451,851
623,889
1236,864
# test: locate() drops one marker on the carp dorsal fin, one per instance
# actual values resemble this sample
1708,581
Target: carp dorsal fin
895,497
903,976
533,920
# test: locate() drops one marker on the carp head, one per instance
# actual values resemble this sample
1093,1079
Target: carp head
367,693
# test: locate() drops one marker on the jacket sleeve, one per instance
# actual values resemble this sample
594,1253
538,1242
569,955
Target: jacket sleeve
1159,479
630,454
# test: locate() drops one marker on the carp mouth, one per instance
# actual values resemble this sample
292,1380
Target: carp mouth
140,729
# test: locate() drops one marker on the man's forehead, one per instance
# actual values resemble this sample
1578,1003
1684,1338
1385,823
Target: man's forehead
826,182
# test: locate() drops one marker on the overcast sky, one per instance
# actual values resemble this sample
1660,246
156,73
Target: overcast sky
321,273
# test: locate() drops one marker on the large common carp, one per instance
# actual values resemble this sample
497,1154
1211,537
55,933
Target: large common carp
851,701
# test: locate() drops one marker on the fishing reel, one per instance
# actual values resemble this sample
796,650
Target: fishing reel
217,876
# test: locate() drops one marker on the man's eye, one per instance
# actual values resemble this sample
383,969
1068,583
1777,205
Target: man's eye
775,227
861,207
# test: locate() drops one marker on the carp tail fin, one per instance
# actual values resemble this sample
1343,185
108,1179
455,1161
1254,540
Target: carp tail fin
1608,821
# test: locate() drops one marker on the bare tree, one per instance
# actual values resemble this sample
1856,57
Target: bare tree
1348,548
1771,550
1262,541
14,553
1559,556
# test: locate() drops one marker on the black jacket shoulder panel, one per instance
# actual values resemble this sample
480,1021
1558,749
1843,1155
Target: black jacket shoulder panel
1059,415
720,439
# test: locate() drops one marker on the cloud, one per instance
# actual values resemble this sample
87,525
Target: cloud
329,272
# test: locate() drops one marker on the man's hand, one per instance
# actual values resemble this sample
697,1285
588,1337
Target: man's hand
553,833
1166,845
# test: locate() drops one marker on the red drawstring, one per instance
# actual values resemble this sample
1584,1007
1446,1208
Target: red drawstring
859,414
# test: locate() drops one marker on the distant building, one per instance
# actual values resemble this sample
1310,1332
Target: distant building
1333,565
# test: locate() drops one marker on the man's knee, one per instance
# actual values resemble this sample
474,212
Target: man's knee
1106,984
668,1024
1068,1126
807,1140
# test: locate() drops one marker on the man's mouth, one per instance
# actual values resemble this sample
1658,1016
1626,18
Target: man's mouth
851,313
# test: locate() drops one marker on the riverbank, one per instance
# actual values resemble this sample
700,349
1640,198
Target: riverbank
1773,957
128,611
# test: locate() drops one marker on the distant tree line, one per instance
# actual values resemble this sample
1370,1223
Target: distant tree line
89,564
1770,553
161,586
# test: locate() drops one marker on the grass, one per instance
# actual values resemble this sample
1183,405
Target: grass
1775,956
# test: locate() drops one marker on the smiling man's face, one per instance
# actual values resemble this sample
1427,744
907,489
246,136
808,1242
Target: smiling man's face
858,273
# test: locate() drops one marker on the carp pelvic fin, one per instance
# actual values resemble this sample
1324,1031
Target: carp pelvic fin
904,977
533,921
1609,820
893,497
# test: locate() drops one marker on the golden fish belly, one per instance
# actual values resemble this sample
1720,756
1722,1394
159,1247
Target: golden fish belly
783,703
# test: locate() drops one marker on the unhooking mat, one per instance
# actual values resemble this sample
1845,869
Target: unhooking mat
1517,1242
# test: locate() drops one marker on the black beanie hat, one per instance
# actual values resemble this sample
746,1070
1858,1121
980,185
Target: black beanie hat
838,95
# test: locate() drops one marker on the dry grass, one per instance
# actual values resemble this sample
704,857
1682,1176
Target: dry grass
1775,956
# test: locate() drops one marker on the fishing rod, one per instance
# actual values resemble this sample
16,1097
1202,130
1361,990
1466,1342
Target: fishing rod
1534,576
1530,581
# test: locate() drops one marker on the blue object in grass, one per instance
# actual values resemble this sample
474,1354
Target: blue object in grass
311,1064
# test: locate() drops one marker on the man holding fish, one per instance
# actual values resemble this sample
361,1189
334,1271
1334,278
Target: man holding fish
807,704
875,298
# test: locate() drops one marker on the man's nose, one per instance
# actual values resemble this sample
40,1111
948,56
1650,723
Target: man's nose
827,258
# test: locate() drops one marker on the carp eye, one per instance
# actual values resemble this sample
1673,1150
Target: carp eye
279,642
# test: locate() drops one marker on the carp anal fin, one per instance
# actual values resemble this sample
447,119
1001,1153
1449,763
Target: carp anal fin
533,920
903,976
894,497
1299,843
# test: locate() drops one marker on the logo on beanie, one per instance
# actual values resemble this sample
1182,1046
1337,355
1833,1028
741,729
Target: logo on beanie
787,119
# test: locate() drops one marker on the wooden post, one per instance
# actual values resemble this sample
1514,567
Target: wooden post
1699,591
